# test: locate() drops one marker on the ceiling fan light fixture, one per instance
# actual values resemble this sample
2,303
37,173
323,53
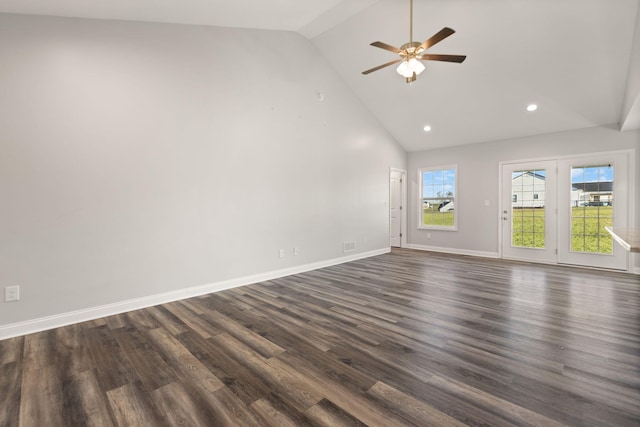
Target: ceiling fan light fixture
413,52
407,68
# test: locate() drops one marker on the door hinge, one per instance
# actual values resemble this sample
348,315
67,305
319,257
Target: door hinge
400,180
401,235
556,252
400,207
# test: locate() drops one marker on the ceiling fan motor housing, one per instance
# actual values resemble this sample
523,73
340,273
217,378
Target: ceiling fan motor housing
412,47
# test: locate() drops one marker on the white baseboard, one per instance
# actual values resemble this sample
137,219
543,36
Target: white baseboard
534,261
63,319
632,270
454,251
634,259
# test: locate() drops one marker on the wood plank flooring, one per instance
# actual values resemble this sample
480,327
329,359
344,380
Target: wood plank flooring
406,338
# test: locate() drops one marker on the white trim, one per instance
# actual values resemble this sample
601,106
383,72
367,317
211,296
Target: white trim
404,202
633,258
629,151
454,251
63,319
534,261
496,255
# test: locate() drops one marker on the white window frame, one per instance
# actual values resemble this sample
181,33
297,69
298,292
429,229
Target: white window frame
422,226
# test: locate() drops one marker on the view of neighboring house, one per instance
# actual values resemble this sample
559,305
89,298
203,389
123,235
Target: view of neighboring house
592,193
528,190
446,207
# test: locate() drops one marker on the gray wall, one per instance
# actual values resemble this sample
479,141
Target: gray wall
631,107
138,159
478,180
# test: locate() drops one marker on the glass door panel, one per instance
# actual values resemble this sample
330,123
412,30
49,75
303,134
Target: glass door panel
527,208
592,209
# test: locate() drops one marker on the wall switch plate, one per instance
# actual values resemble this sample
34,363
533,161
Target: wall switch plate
12,293
281,253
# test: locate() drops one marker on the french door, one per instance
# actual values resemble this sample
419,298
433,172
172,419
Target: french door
556,211
595,194
529,211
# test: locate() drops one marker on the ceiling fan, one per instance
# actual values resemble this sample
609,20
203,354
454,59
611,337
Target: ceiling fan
412,53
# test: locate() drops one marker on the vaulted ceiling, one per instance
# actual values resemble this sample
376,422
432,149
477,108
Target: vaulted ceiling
577,59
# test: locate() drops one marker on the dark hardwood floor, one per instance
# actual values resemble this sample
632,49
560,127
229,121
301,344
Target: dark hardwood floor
407,338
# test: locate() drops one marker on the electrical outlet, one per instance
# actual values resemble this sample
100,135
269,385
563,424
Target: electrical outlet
428,235
296,251
348,246
11,293
281,253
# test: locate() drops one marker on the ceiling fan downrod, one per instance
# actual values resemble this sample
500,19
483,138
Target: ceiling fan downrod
410,21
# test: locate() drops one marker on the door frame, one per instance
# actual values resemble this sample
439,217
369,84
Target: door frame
403,201
619,259
631,189
548,254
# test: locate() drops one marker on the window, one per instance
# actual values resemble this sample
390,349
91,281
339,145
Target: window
437,192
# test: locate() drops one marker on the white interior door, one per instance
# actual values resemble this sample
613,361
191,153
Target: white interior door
396,184
594,193
528,213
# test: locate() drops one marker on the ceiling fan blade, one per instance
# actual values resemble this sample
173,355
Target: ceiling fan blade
386,47
395,61
447,58
437,37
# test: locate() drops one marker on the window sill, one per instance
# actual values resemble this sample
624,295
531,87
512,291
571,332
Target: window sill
435,227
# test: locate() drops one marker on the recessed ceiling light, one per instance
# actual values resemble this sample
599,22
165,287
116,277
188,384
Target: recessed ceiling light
427,128
532,107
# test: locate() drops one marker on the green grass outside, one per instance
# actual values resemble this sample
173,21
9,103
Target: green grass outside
587,229
432,216
527,228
